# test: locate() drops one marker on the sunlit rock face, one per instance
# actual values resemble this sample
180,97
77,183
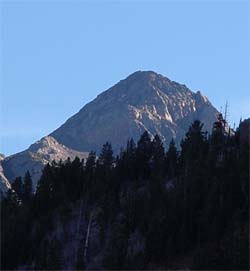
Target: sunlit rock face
4,182
143,101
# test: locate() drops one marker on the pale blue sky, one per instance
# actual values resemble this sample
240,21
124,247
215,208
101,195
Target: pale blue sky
58,55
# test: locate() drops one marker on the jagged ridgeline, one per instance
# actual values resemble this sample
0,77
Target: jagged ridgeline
146,208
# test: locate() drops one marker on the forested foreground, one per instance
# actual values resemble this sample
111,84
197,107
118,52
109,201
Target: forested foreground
144,209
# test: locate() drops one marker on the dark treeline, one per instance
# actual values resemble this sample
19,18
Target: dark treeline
189,206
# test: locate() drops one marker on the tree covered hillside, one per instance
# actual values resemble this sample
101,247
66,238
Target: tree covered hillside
147,208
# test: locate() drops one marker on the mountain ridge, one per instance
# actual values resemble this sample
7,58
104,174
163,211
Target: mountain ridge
143,101
137,101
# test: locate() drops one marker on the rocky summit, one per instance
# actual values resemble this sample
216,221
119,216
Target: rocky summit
143,101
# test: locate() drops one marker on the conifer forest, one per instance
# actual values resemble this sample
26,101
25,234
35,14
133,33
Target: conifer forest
184,207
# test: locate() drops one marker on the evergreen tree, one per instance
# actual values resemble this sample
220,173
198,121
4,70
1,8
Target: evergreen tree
27,187
126,162
192,183
106,159
217,140
171,160
105,186
157,155
143,155
131,150
194,145
90,163
17,186
45,196
76,182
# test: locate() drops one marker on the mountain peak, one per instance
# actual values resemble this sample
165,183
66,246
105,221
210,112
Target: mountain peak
143,73
142,80
145,100
146,75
